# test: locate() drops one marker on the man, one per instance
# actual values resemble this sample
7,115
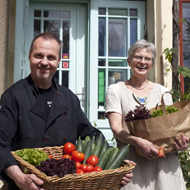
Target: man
36,112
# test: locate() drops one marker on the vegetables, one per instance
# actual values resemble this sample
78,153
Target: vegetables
96,151
104,148
32,156
78,165
99,141
69,148
112,156
79,171
169,109
77,156
87,151
59,167
161,152
139,113
120,156
104,158
97,169
79,145
67,156
92,160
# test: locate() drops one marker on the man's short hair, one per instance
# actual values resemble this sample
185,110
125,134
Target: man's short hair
47,36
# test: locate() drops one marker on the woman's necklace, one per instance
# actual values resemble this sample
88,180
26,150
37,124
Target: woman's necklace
139,88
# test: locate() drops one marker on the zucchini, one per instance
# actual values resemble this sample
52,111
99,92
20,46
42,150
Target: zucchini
120,156
96,151
99,141
87,151
112,156
79,145
103,159
104,148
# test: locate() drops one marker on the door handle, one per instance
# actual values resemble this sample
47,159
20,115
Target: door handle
83,96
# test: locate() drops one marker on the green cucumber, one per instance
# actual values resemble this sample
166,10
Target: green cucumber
87,151
112,156
104,148
87,138
120,156
79,145
99,140
93,140
104,158
96,151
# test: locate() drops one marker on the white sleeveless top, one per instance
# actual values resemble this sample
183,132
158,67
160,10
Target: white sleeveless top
158,174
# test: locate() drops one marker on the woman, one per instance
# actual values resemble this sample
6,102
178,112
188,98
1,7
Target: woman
150,174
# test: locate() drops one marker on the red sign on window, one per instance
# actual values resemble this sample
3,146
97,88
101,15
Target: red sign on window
65,65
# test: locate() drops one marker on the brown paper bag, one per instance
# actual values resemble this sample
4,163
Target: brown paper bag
163,130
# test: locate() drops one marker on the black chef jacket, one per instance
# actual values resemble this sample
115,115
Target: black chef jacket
23,125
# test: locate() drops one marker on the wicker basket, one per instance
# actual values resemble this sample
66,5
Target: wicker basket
106,179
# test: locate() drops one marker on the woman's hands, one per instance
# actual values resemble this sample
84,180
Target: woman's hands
181,145
147,148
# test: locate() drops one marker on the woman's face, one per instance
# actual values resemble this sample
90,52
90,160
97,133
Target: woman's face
141,63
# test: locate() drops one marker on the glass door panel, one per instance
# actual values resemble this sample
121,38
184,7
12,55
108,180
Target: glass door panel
113,30
69,23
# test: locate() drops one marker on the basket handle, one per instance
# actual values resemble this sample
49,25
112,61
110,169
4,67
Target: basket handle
162,102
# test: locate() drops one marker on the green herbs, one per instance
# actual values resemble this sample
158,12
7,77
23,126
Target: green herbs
32,156
169,109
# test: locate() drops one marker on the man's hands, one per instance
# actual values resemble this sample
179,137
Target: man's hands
128,177
24,181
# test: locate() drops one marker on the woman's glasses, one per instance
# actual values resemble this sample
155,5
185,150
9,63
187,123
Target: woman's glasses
140,58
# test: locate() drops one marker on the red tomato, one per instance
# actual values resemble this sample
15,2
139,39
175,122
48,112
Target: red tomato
78,165
79,171
69,148
84,167
92,160
89,168
77,156
97,169
67,156
50,156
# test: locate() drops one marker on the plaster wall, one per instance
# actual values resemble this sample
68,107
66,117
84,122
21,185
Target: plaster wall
3,42
163,39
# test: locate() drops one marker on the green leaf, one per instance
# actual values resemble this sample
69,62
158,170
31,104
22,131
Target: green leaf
184,71
167,70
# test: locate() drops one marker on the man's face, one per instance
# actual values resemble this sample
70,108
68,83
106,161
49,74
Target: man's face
44,60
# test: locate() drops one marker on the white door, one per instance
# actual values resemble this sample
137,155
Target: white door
69,23
115,26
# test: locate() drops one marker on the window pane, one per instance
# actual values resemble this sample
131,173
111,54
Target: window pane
52,14
186,41
101,62
37,26
52,26
102,37
102,11
101,115
133,12
118,12
66,28
65,78
115,76
66,14
117,37
117,63
37,13
133,31
101,88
